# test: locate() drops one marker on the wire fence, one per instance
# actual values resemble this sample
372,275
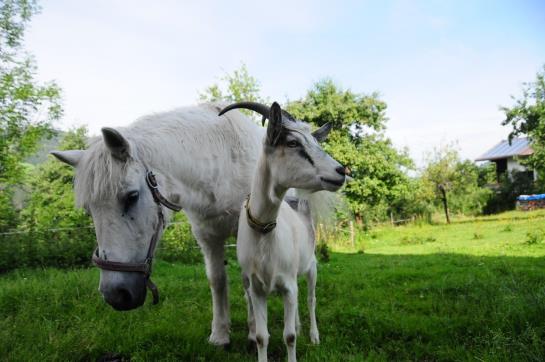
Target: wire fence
70,246
37,230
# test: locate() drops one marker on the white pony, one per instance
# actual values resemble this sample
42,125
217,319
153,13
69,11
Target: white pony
275,243
201,161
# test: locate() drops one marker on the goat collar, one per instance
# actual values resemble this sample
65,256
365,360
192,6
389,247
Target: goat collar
262,227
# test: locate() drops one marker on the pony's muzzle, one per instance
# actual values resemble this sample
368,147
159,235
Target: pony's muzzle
123,290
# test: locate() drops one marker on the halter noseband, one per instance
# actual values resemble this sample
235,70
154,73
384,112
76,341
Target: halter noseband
144,267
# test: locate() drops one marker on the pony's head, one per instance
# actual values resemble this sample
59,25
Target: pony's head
294,154
110,184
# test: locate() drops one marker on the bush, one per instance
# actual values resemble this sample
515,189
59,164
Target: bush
41,248
178,243
323,252
505,198
534,237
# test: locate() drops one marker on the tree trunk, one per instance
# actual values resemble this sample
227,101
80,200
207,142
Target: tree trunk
445,202
359,220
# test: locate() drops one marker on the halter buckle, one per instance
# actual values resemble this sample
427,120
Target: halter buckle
151,180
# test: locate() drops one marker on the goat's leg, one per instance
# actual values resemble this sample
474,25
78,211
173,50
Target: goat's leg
311,282
290,313
251,318
259,304
214,254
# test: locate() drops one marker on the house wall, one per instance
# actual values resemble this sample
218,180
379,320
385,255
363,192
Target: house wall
514,165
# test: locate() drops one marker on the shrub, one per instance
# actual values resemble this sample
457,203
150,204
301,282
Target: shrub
534,237
323,251
178,243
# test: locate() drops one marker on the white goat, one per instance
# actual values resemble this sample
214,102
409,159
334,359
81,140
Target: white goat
275,243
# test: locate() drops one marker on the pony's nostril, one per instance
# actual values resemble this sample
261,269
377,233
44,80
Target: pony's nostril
340,170
121,299
124,296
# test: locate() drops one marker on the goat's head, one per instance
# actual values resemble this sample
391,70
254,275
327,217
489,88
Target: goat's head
293,152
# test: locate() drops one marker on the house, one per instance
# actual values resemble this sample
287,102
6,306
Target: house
507,157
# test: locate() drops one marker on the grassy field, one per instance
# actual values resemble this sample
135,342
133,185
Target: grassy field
473,290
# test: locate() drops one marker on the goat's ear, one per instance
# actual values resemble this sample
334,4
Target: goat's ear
274,129
321,133
116,143
71,157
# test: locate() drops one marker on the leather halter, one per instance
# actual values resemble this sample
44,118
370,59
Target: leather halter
146,266
262,227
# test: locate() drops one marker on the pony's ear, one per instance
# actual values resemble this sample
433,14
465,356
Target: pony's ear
71,157
321,133
116,143
274,129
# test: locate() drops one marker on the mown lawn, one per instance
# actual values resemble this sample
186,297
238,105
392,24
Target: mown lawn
473,290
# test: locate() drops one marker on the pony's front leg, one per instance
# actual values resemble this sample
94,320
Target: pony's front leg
215,271
290,316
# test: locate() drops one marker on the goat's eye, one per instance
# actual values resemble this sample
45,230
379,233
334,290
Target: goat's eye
293,144
131,199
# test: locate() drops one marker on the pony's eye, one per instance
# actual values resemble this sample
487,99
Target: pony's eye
293,144
131,199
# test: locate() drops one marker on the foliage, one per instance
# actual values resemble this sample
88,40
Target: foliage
460,179
178,243
486,174
527,117
236,87
534,237
27,108
454,299
357,140
322,250
52,231
416,202
14,16
509,188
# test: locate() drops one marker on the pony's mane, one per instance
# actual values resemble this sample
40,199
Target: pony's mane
99,175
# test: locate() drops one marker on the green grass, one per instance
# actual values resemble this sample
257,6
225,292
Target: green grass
473,290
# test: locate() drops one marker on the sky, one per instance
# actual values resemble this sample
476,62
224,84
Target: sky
443,67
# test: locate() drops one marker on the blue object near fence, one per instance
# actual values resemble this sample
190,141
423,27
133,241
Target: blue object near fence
531,197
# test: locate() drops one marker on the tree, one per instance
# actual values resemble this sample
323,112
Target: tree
455,182
237,87
357,140
527,117
54,232
27,108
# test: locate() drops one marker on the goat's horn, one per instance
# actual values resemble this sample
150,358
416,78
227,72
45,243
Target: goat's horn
252,106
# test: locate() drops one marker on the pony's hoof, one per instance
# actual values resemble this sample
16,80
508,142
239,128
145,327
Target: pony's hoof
219,340
251,345
314,338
